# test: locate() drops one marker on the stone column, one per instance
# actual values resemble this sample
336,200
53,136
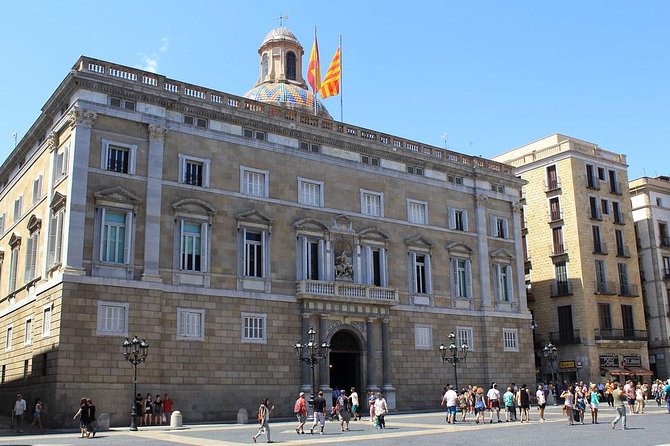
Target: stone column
81,122
518,256
483,251
152,225
371,360
387,387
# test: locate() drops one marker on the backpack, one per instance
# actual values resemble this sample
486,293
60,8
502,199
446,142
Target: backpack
297,407
259,414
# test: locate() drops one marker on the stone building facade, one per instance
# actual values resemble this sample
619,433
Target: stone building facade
220,228
581,261
650,198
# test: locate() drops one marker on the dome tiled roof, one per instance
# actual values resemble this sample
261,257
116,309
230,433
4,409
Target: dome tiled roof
280,33
282,93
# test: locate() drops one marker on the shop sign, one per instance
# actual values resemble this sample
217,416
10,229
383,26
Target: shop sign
632,361
609,361
566,365
580,364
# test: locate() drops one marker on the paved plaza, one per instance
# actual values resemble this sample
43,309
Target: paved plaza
402,429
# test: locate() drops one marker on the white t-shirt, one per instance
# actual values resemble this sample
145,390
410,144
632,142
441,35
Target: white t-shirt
20,407
493,394
450,398
540,397
354,398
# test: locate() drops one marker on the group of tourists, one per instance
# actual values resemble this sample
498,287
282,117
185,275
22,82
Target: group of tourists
153,411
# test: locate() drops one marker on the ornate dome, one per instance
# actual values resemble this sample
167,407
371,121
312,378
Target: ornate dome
280,33
285,94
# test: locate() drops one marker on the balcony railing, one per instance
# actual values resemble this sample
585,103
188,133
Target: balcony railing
599,247
628,290
611,334
618,218
561,288
346,290
666,273
565,337
552,184
593,183
665,241
559,249
615,188
595,214
623,251
607,287
555,215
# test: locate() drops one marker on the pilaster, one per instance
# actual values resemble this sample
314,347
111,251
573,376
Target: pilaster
152,224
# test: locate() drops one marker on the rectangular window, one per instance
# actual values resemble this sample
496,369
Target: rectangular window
13,266
2,223
458,219
310,192
46,322
417,212
31,257
605,316
372,203
601,173
55,237
503,283
195,121
60,163
604,206
376,266
499,227
371,160
190,324
194,171
615,187
510,340
191,252
464,337
592,181
565,326
628,323
253,254
313,270
115,236
117,159
416,170
8,339
420,274
423,337
254,182
663,233
617,214
309,147
122,103
461,278
37,189
659,202
552,178
253,328
598,244
112,319
594,211
18,208
555,209
624,287
666,267
601,277
28,337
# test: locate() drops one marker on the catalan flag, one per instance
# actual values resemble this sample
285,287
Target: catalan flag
314,68
331,82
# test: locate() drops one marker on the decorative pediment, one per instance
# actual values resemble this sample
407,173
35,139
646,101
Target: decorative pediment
342,223
502,254
14,240
373,233
310,224
419,242
253,217
34,223
193,206
58,201
116,195
459,248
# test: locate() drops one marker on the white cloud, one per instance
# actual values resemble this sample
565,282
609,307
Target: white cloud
150,61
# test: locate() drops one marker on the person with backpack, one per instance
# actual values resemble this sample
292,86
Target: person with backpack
343,413
300,411
263,416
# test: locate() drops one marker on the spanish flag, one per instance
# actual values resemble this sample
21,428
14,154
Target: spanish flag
331,82
314,68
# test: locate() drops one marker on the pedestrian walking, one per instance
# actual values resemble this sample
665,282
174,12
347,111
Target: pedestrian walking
493,397
19,412
84,416
639,399
480,404
167,408
157,410
319,413
38,411
449,400
620,402
568,404
148,410
343,411
371,403
300,411
264,412
594,402
381,409
91,417
355,406
523,401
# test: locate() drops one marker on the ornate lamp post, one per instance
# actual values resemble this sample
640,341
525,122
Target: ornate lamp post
550,353
454,355
135,352
311,353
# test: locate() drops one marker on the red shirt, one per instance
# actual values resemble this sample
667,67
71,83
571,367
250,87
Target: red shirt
167,405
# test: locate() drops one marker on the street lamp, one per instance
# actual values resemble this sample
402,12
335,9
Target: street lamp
550,353
311,353
455,354
135,352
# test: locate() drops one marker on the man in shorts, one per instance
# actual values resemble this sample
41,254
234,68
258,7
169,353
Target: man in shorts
353,397
300,411
450,400
541,400
493,397
319,412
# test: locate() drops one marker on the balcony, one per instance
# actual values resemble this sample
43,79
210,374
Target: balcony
615,188
607,287
666,273
561,288
592,182
610,334
565,337
623,251
552,184
555,215
595,214
628,290
599,247
346,292
665,241
618,218
559,249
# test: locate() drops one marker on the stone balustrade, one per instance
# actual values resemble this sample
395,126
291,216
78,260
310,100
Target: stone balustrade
353,291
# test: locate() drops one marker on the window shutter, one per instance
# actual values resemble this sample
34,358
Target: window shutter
505,229
468,278
204,233
509,283
325,265
102,232
496,281
33,257
454,278
369,269
264,258
29,249
412,263
303,258
452,219
128,240
465,220
53,231
182,264
493,226
427,273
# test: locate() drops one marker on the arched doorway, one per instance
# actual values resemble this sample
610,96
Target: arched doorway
345,361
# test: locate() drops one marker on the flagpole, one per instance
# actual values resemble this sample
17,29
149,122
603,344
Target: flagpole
318,73
341,89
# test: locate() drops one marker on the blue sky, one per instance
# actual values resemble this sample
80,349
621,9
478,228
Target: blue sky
492,75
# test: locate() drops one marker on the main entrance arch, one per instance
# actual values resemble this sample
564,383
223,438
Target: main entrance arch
346,361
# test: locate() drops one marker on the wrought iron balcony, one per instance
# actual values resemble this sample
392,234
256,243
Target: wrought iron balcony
595,214
346,291
622,251
611,334
615,188
554,215
618,218
552,184
592,182
628,290
607,287
559,249
565,337
599,247
561,288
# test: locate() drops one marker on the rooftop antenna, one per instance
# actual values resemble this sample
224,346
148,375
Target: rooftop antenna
15,136
445,137
281,19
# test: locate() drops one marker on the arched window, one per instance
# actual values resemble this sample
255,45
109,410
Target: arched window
290,66
264,67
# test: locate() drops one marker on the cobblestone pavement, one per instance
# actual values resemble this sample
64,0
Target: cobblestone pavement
417,429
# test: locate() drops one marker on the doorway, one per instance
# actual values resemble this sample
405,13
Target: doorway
345,361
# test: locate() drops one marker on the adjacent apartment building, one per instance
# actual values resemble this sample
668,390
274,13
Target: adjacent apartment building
581,262
651,213
220,228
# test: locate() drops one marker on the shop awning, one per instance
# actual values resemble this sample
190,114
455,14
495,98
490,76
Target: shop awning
615,371
640,371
